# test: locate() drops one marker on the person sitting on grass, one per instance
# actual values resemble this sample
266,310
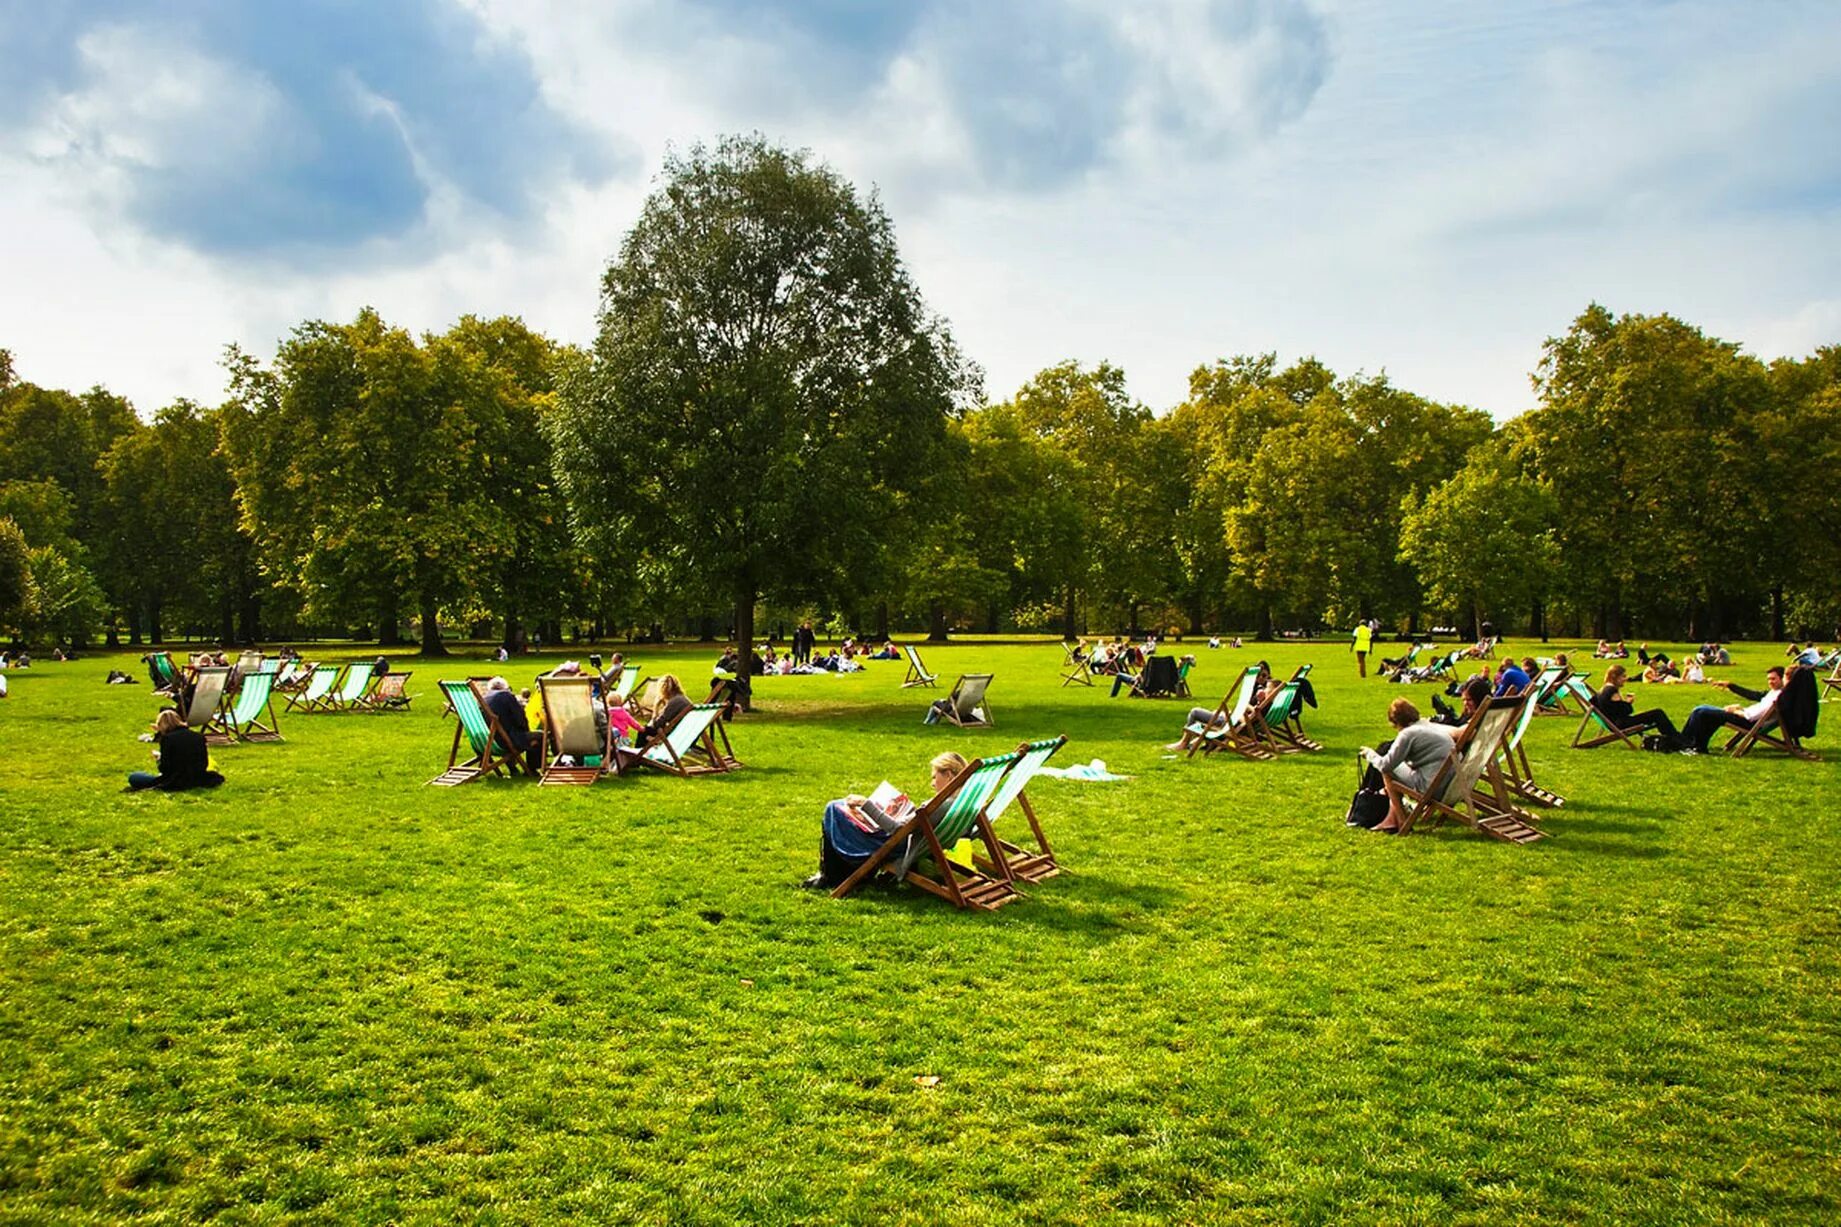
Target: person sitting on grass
1659,668
1414,755
1706,720
183,756
851,834
1622,713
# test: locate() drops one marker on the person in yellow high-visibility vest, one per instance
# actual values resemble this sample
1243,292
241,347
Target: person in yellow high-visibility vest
1361,642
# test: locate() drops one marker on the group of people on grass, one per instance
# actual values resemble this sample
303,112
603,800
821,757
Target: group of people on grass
805,658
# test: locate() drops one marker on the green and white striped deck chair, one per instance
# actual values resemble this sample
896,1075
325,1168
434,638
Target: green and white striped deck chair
164,672
695,744
473,725
1567,694
623,688
952,814
917,672
1516,771
1594,729
1273,721
207,696
1458,790
1023,864
240,716
570,732
1228,727
350,695
1405,663
316,695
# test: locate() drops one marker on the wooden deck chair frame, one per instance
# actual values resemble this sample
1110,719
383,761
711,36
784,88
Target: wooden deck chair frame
1831,682
1517,772
1289,728
447,697
1569,687
968,704
917,672
1769,730
1468,786
1023,865
206,698
723,695
482,734
240,715
387,694
1607,733
349,694
952,814
569,731
1229,727
1074,664
696,743
316,693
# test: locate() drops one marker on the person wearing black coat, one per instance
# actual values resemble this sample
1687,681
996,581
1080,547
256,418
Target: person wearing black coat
184,758
504,707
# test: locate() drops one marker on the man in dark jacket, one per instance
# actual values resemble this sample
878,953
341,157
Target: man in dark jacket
502,704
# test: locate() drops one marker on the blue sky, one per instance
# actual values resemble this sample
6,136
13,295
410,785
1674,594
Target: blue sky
1425,188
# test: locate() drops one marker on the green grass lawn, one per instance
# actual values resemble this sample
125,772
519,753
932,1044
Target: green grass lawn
328,991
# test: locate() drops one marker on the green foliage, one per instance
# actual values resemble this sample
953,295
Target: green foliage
766,391
16,596
66,601
328,992
1483,540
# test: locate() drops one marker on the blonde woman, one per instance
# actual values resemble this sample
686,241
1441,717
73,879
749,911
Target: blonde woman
852,833
183,757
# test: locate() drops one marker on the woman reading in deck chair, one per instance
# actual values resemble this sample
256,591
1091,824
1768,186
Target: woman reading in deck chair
851,834
183,757
1418,749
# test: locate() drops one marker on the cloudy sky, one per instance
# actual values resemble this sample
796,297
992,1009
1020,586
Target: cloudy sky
1428,188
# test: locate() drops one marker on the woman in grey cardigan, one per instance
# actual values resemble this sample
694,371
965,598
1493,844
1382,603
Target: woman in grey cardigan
1418,750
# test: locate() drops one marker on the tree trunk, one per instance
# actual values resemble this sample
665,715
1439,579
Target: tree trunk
1265,623
1537,620
226,621
936,622
249,615
1476,622
1131,616
155,633
1195,618
111,637
744,643
514,633
1070,629
882,621
706,628
431,628
991,616
1777,614
389,610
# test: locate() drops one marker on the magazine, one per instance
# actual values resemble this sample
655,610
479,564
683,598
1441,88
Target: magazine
887,807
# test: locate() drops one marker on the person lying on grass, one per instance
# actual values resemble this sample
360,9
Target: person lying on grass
183,757
855,827
1414,755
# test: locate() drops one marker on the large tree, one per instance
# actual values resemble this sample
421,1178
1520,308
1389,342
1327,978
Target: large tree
766,390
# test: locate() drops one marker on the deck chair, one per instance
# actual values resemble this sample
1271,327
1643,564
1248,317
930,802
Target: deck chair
1832,683
1282,715
695,744
1159,679
1182,679
917,672
722,694
1468,787
1771,730
1023,864
350,695
952,814
248,662
1443,668
1517,774
1229,728
1567,693
240,716
1074,665
1595,728
480,731
1403,665
316,695
569,732
387,695
623,686
966,705
162,672
207,696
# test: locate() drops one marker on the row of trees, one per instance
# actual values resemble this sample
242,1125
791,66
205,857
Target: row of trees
770,418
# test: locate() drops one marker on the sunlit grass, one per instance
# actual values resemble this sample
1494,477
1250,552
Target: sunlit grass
328,990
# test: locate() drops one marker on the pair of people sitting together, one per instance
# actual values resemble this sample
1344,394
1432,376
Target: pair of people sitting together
1703,722
524,737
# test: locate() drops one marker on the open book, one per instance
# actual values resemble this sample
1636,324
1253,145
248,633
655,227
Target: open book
887,807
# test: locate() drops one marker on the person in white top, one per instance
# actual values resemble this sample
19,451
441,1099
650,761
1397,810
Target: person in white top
1706,720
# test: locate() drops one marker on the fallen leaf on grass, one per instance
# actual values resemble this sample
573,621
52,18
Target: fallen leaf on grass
927,1079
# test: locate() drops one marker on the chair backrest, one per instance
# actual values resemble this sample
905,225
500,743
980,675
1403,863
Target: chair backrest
1243,698
320,684
976,785
357,677
629,678
1283,704
287,672
968,692
1160,675
1030,759
207,692
1530,703
1477,746
164,668
461,697
1546,680
253,697
915,660
248,662
568,716
686,732
390,686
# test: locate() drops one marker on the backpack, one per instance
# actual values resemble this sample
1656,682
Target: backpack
1367,809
